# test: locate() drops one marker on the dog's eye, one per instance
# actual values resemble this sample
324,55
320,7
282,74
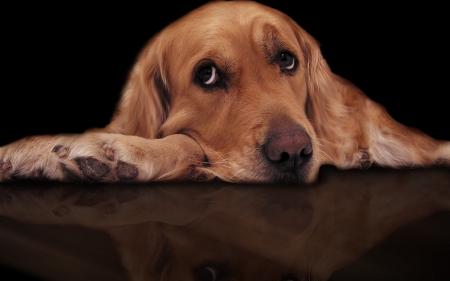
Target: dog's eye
208,75
212,271
287,61
207,273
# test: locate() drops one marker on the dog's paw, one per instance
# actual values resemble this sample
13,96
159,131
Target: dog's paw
123,170
362,159
101,164
100,157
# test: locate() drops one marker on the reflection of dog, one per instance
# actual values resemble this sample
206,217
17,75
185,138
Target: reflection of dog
207,232
233,90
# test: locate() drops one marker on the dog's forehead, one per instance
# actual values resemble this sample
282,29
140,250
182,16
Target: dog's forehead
234,9
231,25
229,14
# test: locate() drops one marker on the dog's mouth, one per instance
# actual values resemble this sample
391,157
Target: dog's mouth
296,173
280,159
257,170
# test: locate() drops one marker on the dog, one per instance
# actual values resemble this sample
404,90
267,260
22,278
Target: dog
235,91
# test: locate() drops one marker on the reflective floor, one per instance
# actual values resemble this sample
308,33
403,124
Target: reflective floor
351,225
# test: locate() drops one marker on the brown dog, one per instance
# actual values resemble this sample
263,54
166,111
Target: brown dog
236,91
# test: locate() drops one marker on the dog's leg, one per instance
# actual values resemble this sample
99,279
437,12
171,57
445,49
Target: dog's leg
100,157
356,132
395,145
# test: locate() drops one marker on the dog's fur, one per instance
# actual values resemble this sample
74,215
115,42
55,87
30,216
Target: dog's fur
237,91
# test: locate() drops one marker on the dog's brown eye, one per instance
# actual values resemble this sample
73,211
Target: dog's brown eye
207,274
287,61
208,75
212,271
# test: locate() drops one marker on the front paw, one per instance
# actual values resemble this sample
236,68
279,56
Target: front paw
100,165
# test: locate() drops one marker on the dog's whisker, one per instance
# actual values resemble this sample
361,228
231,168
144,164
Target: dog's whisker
321,152
320,140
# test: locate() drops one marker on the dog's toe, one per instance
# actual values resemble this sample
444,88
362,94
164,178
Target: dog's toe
61,151
364,165
363,159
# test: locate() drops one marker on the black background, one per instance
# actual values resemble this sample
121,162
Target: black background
63,67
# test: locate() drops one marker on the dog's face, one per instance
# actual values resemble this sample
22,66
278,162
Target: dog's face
233,76
207,259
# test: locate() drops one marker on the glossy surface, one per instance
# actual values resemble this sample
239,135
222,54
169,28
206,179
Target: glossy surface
351,225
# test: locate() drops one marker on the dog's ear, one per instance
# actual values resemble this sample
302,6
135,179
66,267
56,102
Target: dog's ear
146,258
326,90
145,100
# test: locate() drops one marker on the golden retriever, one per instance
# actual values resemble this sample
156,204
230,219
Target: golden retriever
234,90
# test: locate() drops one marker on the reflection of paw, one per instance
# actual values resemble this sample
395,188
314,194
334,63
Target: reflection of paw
363,160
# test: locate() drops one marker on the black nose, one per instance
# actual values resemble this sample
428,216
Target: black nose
288,148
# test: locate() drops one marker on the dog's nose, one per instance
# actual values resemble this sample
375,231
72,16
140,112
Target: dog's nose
288,148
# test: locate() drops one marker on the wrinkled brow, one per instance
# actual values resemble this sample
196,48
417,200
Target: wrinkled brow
271,43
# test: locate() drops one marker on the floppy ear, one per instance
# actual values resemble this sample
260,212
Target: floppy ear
145,100
326,104
334,106
146,258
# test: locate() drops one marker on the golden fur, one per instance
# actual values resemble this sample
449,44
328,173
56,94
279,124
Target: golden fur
234,90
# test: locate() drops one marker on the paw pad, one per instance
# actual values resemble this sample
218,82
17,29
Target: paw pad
126,171
93,169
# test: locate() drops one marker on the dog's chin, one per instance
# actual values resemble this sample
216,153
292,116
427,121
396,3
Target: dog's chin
264,174
277,177
273,175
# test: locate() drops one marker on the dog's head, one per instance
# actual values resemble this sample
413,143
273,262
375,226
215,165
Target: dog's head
241,79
